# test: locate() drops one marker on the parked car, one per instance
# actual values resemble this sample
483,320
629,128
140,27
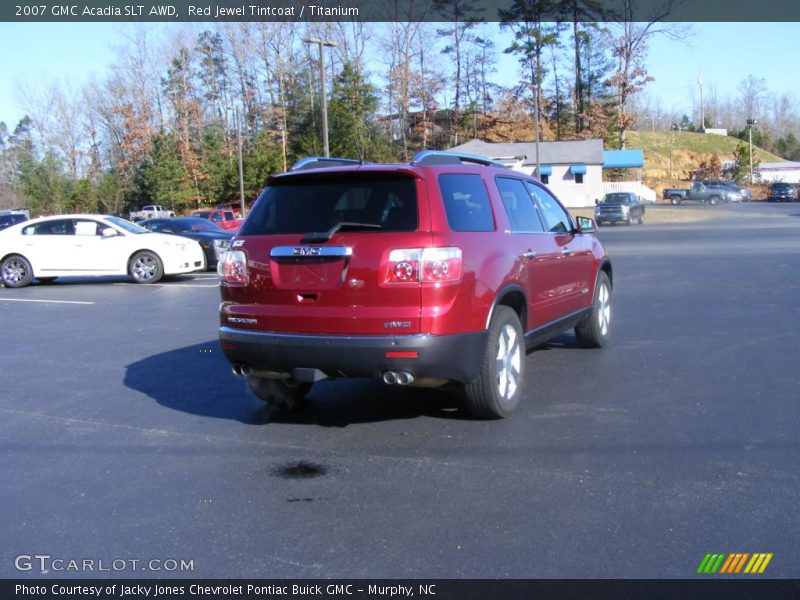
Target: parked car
224,217
619,207
12,217
782,192
438,272
152,211
213,239
699,192
87,245
730,191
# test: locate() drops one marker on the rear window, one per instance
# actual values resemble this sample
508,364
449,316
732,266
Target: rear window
314,206
466,202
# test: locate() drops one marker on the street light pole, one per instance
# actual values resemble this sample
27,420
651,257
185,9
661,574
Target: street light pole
243,208
750,123
323,99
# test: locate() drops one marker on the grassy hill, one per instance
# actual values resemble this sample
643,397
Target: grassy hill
688,149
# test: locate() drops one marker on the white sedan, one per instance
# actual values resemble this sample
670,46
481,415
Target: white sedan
86,245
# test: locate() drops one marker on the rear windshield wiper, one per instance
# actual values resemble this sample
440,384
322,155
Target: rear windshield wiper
324,236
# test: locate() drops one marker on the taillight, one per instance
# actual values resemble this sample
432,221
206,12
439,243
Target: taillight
426,265
235,270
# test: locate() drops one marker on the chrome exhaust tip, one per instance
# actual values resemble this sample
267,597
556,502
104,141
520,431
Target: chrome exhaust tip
245,370
390,377
237,370
405,378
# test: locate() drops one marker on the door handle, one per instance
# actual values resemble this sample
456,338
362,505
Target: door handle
529,254
566,251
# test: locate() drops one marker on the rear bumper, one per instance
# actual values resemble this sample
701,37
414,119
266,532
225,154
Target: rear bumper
453,357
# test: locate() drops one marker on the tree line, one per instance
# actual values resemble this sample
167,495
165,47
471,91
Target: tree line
162,126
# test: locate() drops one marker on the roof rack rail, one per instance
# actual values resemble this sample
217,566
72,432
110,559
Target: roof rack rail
440,157
319,162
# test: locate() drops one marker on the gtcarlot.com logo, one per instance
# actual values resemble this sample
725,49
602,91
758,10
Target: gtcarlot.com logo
45,563
734,562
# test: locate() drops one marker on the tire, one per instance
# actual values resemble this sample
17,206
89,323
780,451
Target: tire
16,271
593,331
146,267
640,220
714,200
283,395
498,390
675,200
46,280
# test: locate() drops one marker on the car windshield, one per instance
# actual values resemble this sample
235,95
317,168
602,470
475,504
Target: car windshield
367,203
782,187
126,225
615,199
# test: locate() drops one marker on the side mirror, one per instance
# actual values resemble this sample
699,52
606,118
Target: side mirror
109,232
586,225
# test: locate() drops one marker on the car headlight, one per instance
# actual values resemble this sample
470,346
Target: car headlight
625,209
222,244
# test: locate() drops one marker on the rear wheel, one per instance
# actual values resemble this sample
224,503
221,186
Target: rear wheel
280,394
146,267
713,201
16,271
675,200
594,330
498,390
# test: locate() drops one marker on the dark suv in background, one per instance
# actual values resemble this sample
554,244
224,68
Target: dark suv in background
441,272
782,192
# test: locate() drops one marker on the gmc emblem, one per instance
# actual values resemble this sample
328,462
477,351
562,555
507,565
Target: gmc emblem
306,251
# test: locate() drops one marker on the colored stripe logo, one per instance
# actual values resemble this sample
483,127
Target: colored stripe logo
734,562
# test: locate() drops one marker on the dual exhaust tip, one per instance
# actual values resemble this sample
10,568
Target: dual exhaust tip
389,377
241,370
398,378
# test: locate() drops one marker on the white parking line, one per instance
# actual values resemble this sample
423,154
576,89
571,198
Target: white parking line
44,301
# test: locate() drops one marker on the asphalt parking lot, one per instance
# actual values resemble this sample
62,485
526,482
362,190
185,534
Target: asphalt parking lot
124,434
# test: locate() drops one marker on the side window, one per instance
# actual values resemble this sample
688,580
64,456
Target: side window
86,228
519,206
61,227
216,217
228,216
466,202
556,219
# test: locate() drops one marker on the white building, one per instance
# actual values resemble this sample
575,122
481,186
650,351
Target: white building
573,170
786,172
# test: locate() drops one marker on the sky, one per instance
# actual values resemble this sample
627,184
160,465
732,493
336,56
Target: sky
35,55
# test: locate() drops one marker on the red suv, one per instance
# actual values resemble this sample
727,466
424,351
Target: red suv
224,217
441,271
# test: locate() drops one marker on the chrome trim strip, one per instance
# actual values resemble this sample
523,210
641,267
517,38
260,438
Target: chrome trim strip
310,251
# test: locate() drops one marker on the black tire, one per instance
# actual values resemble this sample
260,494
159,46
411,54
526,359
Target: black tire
278,394
146,267
16,271
498,390
46,280
593,331
714,200
675,200
628,220
640,220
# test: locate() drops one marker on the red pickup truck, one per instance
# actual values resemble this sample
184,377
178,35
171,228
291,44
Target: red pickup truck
224,217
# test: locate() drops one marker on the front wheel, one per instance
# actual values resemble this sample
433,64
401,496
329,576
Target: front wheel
16,271
498,390
281,394
146,267
640,220
594,330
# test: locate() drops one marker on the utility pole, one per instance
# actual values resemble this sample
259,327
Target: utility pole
750,123
323,99
702,109
241,168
